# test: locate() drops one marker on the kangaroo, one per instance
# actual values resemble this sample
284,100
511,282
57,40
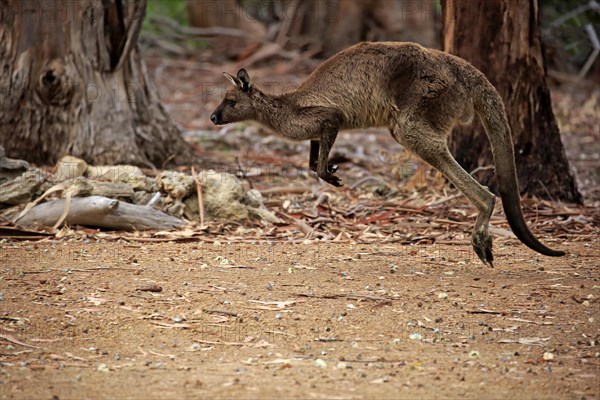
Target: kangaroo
419,94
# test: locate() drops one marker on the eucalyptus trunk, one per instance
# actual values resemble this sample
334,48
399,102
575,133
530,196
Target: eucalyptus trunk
73,82
502,39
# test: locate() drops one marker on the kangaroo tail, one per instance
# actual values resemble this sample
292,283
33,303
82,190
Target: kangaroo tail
489,107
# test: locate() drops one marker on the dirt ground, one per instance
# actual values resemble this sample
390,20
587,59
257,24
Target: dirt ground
92,316
296,320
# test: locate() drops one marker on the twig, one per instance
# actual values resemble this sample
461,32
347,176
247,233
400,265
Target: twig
484,311
223,343
63,216
219,311
12,339
286,189
481,168
370,178
200,198
304,227
153,200
445,199
171,356
345,296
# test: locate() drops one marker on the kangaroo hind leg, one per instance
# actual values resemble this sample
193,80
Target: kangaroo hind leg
430,145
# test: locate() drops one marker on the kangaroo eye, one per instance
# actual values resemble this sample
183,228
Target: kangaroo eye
230,103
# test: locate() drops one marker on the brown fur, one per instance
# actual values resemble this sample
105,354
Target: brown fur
418,93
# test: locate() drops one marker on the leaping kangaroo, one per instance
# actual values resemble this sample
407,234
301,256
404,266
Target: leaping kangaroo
419,94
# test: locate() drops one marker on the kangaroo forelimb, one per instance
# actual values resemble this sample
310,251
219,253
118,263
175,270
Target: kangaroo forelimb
314,158
324,170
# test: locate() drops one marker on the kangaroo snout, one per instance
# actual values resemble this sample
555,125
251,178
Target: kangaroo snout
214,119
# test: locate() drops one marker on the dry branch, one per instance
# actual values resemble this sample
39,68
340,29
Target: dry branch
100,212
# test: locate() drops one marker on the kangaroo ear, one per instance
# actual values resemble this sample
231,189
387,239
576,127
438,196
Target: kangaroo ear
244,79
231,79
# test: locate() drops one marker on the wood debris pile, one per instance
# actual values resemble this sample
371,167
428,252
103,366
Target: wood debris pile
122,197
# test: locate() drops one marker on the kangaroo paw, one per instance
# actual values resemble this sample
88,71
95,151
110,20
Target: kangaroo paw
332,168
482,244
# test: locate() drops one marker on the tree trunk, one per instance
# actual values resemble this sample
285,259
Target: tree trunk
502,39
228,14
328,26
73,82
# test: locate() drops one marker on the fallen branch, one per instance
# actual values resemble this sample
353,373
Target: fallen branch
100,212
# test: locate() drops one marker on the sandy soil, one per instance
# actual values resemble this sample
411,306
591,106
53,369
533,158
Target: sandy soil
296,320
85,318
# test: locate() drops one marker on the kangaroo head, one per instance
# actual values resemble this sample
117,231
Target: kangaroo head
238,104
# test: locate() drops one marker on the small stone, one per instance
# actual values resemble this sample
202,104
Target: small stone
320,363
548,356
103,368
474,354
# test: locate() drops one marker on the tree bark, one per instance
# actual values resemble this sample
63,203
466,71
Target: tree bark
73,82
502,39
328,26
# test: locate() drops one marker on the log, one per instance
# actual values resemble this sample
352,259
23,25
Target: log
21,189
100,212
111,189
11,168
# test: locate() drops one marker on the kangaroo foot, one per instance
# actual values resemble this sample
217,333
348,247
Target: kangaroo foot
331,179
482,244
